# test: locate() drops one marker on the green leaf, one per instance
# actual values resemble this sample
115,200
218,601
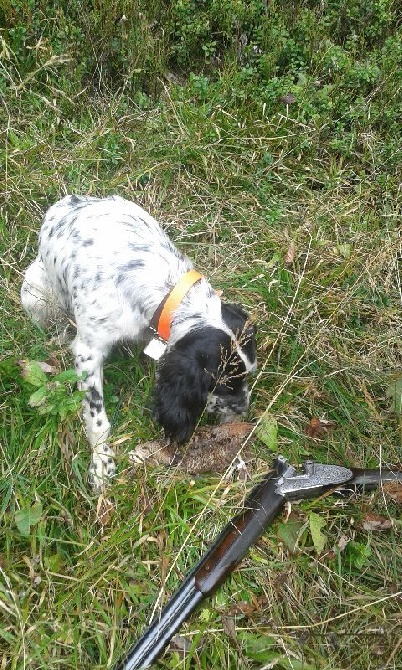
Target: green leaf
26,517
344,250
294,664
267,431
358,554
38,397
205,614
54,562
69,405
8,637
317,523
260,648
69,376
394,391
289,533
33,373
264,649
45,408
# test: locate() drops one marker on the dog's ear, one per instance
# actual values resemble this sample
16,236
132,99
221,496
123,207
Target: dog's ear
234,316
239,323
236,319
181,393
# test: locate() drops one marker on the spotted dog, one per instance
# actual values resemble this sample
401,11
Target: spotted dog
108,266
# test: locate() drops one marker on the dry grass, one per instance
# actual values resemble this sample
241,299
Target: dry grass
305,236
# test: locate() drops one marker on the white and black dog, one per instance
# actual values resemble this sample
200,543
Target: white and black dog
108,266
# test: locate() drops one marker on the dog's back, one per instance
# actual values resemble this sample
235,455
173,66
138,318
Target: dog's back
90,249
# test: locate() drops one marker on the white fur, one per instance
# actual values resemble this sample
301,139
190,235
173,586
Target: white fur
106,264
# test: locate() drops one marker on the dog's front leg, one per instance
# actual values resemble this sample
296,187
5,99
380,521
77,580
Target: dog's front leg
89,365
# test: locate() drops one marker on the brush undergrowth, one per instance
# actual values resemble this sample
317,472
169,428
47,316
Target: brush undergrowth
266,137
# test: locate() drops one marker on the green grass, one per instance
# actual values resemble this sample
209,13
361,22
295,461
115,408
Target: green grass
198,132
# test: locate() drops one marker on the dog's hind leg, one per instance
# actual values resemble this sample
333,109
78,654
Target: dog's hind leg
37,297
89,366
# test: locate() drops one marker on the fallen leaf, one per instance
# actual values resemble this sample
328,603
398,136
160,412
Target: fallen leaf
343,542
180,645
46,367
211,449
375,522
104,511
288,99
53,364
229,627
245,608
290,254
318,428
248,608
393,490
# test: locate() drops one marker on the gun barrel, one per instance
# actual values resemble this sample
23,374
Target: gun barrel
370,479
152,643
261,507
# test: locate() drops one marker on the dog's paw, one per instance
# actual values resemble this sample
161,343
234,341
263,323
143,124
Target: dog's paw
102,467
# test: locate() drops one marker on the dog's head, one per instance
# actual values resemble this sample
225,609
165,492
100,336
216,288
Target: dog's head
206,370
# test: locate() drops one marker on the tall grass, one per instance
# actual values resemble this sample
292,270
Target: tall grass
266,138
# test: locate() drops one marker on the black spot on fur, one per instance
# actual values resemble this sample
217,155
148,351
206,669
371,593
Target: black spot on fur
101,320
85,359
136,264
138,248
95,399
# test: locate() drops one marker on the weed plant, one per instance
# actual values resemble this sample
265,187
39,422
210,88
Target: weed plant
266,137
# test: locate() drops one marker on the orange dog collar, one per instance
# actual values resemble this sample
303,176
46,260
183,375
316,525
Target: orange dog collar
171,302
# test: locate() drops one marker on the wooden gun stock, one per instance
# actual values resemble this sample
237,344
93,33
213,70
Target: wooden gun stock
260,508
